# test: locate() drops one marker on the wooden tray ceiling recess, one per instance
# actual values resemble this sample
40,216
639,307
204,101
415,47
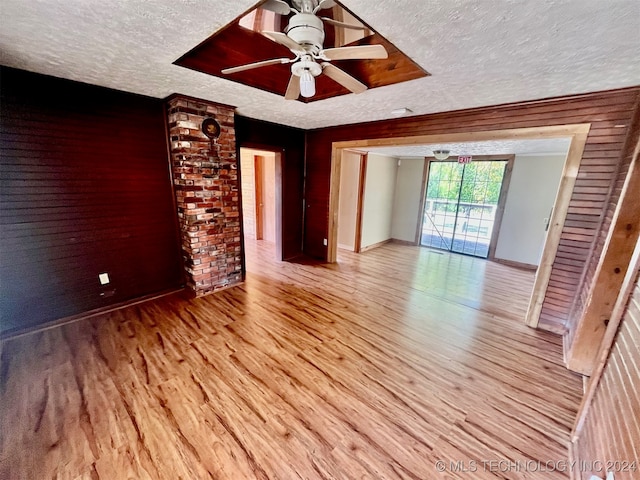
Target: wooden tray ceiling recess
240,43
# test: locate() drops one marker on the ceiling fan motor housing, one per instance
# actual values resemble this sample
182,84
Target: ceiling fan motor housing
307,30
306,64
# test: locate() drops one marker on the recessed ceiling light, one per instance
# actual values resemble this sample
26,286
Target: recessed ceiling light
399,112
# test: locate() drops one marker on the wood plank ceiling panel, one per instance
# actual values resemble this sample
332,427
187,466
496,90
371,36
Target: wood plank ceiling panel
236,45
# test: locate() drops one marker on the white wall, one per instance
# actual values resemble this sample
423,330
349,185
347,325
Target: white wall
269,196
406,201
247,178
377,210
532,192
348,205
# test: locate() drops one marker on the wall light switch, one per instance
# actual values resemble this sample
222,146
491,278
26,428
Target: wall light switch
104,278
324,242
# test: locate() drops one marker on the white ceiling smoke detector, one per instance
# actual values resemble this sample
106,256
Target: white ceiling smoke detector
400,112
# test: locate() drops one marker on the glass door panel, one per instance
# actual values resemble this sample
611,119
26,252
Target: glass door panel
441,205
461,205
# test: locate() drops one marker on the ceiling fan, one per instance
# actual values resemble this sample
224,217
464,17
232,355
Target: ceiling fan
304,36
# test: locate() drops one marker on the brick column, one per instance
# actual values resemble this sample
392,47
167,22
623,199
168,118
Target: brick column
205,177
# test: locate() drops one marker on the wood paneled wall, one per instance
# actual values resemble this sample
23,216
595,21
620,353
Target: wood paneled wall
610,433
85,189
609,114
619,167
291,141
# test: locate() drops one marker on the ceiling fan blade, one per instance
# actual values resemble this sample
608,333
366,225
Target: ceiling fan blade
326,4
343,78
293,89
250,66
277,6
336,23
364,52
282,39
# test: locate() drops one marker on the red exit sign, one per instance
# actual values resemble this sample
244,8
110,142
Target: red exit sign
464,158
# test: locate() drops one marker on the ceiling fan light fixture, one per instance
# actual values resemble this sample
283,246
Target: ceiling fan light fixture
307,84
441,154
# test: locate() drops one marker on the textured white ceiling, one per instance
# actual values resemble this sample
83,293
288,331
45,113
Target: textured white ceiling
558,146
479,52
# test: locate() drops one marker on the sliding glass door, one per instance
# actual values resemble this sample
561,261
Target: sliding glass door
461,205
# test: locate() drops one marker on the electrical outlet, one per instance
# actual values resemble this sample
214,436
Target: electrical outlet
324,242
104,278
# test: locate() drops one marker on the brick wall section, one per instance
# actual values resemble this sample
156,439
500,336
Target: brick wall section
205,177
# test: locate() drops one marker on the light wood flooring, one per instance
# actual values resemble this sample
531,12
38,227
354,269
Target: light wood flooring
373,368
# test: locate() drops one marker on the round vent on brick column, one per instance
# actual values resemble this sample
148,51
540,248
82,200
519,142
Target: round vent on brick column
211,128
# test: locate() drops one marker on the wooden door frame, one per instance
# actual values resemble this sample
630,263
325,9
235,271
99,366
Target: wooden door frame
258,167
279,159
577,133
362,180
502,199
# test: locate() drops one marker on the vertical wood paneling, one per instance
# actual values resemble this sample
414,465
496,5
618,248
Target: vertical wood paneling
85,188
257,134
598,313
609,114
619,173
611,431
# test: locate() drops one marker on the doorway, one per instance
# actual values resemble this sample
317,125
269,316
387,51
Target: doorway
261,197
577,133
462,207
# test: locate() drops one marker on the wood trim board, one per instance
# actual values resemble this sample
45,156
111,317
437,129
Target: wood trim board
362,179
258,167
278,206
556,223
502,201
423,195
608,340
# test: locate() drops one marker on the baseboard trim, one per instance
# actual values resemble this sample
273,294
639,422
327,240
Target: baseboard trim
511,263
404,242
375,245
21,332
